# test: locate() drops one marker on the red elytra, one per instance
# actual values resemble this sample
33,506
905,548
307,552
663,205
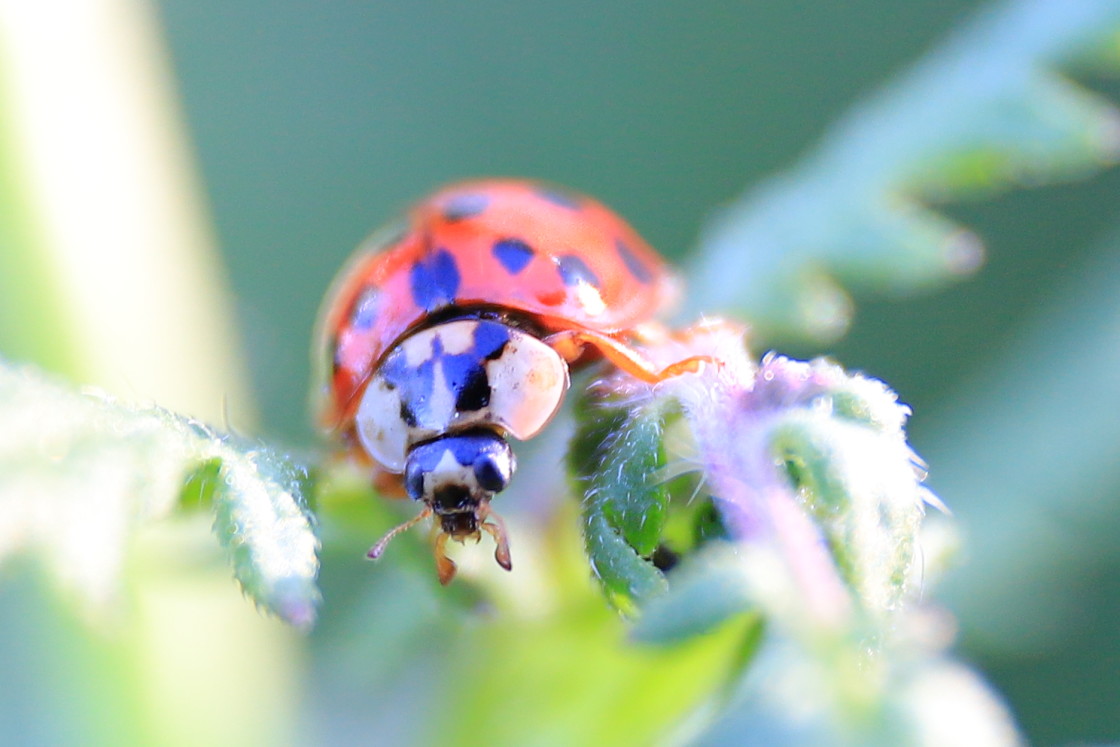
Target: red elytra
562,259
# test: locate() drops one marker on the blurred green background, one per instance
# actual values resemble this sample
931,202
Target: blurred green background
313,122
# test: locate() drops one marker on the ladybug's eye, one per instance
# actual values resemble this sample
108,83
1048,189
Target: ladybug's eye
492,472
414,480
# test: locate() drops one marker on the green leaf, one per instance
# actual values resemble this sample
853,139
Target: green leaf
262,521
79,471
568,681
834,693
615,458
861,490
983,112
708,588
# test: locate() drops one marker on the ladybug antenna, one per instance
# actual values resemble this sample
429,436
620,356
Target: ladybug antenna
375,551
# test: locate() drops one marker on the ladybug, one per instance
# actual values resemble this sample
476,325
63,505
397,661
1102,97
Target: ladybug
456,329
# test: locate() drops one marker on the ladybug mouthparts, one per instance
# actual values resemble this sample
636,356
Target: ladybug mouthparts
460,524
455,476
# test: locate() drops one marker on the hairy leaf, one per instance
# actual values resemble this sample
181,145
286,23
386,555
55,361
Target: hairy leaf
615,458
79,471
807,464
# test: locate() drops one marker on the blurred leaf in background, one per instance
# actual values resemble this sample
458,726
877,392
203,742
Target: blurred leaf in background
108,276
987,110
81,472
110,242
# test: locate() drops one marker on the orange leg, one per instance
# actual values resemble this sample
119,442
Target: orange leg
497,530
445,566
571,342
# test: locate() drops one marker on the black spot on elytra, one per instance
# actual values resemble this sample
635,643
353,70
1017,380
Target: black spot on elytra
514,254
461,207
574,271
434,280
633,264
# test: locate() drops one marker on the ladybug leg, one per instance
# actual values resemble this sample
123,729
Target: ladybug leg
570,344
496,528
445,566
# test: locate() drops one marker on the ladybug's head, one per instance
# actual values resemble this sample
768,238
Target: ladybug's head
456,476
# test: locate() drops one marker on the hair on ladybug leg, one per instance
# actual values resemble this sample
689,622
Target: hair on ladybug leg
376,551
